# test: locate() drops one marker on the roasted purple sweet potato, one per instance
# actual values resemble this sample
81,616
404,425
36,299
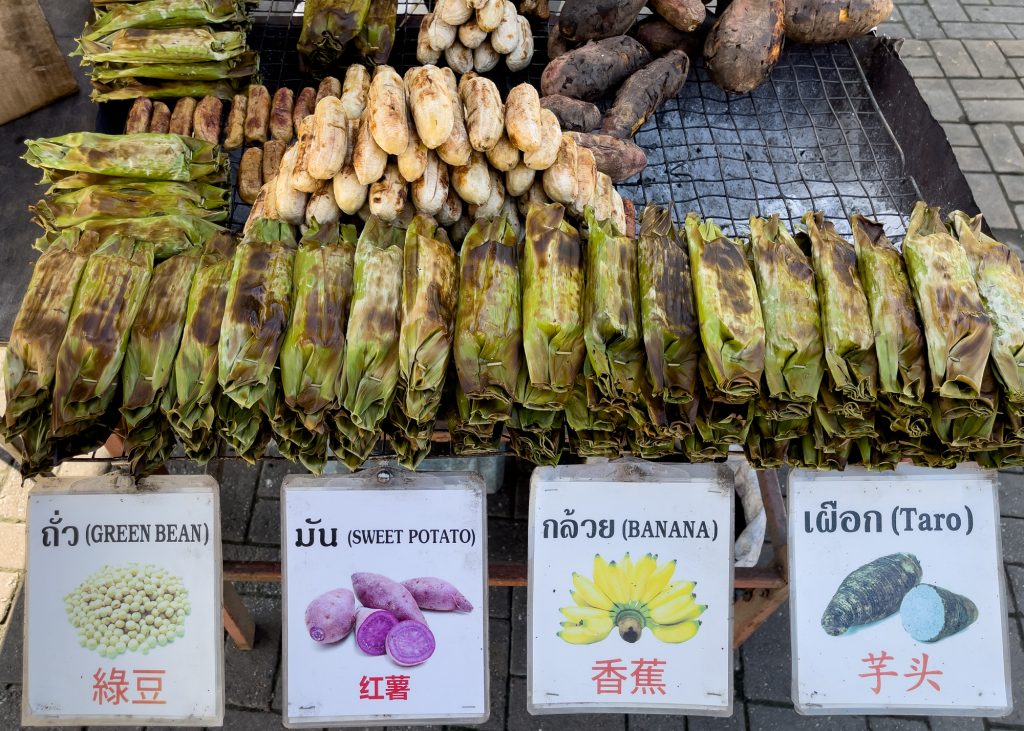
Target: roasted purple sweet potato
643,92
828,21
686,15
591,20
595,69
618,159
744,44
574,115
558,44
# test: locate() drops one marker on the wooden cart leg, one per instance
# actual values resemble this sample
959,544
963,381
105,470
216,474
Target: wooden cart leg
237,619
749,614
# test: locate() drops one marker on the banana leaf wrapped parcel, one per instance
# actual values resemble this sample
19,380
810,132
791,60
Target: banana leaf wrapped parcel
429,299
593,432
166,14
534,435
668,313
899,342
488,321
327,27
369,374
224,88
42,320
377,36
794,352
144,155
1000,279
160,45
112,78
110,295
149,362
256,311
468,439
188,401
729,311
169,235
611,307
552,284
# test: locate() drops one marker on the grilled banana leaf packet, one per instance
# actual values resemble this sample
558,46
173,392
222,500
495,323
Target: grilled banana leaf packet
188,401
327,28
429,299
468,439
169,234
377,36
369,374
957,330
552,279
593,432
534,435
1000,279
488,322
256,311
668,313
159,45
144,155
729,311
42,320
899,341
149,362
794,363
166,14
611,306
848,398
110,295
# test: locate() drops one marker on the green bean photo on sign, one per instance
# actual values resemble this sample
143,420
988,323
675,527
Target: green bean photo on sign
871,592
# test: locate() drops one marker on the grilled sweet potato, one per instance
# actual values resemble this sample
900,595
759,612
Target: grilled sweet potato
591,20
828,21
686,15
596,68
618,159
659,37
558,44
573,114
644,92
744,44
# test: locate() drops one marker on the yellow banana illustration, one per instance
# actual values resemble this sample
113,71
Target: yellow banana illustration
619,588
580,614
642,571
588,593
676,633
657,582
580,635
676,611
602,572
673,591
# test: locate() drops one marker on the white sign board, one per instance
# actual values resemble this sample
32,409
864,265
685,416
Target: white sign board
896,585
630,589
123,603
385,599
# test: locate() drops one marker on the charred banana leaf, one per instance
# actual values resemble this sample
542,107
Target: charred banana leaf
166,14
377,36
327,27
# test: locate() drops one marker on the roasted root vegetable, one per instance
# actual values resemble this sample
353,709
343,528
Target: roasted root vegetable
595,69
331,616
437,595
139,116
257,114
303,106
522,117
387,110
410,643
432,111
250,175
234,136
591,20
930,613
829,21
871,592
643,92
379,592
160,122
485,113
573,114
372,629
281,115
744,44
616,158
685,15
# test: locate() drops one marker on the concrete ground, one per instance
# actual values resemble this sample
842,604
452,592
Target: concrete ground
968,58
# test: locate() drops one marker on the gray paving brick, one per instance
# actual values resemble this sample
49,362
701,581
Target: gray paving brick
656,722
988,58
1017,30
249,675
1015,588
736,722
1011,488
274,470
1014,186
1012,49
766,661
11,649
1001,147
989,196
251,721
237,489
954,59
773,718
519,718
971,159
894,30
1013,540
886,723
947,10
941,100
499,642
520,638
506,540
1001,14
265,527
956,723
499,601
923,67
913,48
1018,66
960,134
990,110
922,22
1015,718
988,89
1019,210
978,30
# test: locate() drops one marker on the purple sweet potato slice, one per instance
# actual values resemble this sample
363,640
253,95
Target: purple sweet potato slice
437,595
410,643
380,592
331,616
372,628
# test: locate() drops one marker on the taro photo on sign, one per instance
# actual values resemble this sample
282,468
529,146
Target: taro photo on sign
897,593
630,589
123,603
385,599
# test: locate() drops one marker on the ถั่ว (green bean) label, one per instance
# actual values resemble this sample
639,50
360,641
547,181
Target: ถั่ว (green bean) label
896,592
630,589
385,597
123,603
